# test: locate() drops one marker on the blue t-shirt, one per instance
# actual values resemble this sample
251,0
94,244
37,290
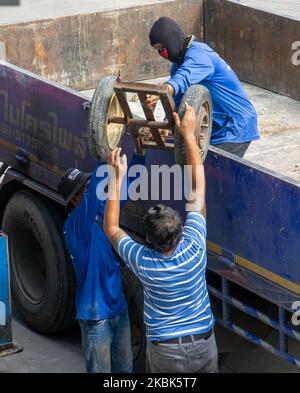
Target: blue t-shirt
234,117
176,301
99,292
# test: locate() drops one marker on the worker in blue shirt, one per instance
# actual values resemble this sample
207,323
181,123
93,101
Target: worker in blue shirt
234,116
100,301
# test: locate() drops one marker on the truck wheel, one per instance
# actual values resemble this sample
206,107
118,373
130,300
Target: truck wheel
42,278
135,299
199,98
104,137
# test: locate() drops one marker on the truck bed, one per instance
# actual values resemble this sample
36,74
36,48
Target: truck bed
279,125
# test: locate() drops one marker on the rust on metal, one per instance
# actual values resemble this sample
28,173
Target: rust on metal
169,106
127,112
79,50
10,350
138,122
257,44
137,126
154,145
152,124
117,120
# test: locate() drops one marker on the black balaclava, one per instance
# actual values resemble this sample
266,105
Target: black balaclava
167,32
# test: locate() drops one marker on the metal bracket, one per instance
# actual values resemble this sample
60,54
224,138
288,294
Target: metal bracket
3,168
22,156
136,126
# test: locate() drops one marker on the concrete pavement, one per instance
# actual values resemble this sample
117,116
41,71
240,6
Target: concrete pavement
61,353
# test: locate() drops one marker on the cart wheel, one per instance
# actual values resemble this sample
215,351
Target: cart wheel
199,98
104,137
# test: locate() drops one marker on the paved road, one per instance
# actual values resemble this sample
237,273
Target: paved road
61,353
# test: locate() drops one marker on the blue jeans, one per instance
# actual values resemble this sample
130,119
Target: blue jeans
107,344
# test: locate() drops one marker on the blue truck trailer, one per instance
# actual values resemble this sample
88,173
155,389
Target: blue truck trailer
253,216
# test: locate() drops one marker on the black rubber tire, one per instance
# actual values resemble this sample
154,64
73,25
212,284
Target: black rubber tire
222,359
135,298
42,278
97,121
196,96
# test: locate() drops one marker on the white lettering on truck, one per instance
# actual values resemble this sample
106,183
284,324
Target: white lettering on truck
296,315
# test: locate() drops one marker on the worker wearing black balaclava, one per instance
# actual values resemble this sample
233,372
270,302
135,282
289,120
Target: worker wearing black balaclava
195,63
168,33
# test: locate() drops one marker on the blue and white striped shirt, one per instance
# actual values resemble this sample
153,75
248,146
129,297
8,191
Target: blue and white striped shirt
176,301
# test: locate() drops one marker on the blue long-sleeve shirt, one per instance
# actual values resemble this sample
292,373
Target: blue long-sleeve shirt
99,292
234,116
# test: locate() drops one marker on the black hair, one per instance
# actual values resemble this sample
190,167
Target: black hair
163,226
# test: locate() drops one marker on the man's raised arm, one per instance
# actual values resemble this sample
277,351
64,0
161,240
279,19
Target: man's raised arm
186,127
111,226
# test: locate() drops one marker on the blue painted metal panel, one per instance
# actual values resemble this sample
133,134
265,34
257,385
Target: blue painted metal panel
251,212
43,118
5,310
255,214
280,326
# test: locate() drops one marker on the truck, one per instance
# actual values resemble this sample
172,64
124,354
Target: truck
253,204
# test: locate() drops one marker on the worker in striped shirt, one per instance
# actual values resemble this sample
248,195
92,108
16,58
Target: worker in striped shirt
177,311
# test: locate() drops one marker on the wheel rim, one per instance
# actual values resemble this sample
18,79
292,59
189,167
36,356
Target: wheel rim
114,131
203,121
28,262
